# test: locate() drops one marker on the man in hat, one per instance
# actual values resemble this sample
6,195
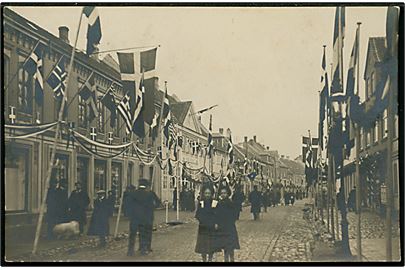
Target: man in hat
143,202
77,203
99,223
255,199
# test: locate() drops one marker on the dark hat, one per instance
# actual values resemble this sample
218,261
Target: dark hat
143,183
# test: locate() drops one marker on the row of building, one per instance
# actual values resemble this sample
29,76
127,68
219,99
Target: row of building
27,159
374,141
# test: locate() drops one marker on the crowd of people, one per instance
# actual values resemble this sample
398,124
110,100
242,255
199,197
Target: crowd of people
216,209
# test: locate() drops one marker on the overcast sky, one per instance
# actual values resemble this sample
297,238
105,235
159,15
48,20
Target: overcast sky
262,66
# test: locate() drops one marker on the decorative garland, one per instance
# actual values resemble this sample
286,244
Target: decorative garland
90,151
24,126
102,145
27,135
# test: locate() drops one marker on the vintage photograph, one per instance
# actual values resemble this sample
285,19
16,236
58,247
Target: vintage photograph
202,134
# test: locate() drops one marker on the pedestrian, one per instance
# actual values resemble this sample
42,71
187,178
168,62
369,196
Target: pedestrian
286,197
99,223
227,235
126,205
351,200
238,198
77,203
111,202
266,199
192,200
57,205
175,198
142,204
206,216
255,200
182,199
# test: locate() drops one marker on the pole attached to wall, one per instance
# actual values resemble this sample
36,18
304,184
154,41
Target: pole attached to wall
56,141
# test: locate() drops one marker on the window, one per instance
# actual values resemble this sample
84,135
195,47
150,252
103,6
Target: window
100,122
385,124
117,126
375,131
165,182
16,179
395,174
83,120
129,174
396,126
373,83
368,138
100,175
361,138
116,181
141,171
24,97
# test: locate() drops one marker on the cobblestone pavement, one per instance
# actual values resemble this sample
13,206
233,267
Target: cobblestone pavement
293,242
372,226
280,235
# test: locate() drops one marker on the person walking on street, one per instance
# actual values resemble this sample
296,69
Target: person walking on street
99,223
206,216
142,203
255,200
238,198
55,205
266,199
77,203
227,235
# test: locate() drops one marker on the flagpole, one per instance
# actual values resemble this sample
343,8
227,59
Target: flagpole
56,140
343,211
161,149
358,139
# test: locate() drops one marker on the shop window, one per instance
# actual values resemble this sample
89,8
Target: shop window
83,172
16,179
141,171
60,171
100,175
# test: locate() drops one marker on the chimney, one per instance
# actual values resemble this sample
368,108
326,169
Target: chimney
282,156
245,138
254,138
268,148
221,131
64,33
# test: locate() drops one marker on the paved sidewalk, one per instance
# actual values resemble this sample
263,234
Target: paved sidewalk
16,248
373,241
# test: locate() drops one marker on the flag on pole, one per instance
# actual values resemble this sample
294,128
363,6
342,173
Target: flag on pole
338,35
108,100
139,123
230,148
88,93
93,30
323,100
34,65
57,79
350,95
210,140
309,154
154,127
127,105
150,83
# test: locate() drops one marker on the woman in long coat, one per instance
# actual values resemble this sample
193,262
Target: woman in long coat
99,225
227,235
206,216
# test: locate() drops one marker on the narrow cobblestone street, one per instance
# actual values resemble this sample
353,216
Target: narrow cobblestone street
280,235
